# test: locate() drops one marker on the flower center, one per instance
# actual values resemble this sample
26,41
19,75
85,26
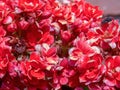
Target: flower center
20,47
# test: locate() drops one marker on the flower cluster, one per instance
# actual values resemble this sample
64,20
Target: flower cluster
53,45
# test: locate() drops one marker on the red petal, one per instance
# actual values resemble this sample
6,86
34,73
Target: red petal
38,75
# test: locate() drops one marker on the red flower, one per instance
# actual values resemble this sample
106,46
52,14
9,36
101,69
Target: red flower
35,67
48,54
77,7
47,45
30,5
59,77
3,10
81,48
99,86
91,69
5,57
112,76
92,12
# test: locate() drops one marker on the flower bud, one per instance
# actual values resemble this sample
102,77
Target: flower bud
45,15
66,36
7,20
12,27
23,25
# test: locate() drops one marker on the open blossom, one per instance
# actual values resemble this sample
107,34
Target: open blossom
34,71
92,11
48,54
91,69
112,75
82,48
34,68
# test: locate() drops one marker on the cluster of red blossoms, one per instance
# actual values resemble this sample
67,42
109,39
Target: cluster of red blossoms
52,45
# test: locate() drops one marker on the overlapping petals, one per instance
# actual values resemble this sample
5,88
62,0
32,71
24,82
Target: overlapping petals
57,45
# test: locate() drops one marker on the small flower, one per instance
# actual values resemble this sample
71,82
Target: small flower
81,48
65,36
34,68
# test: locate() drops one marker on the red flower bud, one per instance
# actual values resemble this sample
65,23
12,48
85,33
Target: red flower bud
12,27
45,15
2,31
8,20
66,36
23,25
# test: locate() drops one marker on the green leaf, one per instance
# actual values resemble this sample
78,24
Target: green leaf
86,88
